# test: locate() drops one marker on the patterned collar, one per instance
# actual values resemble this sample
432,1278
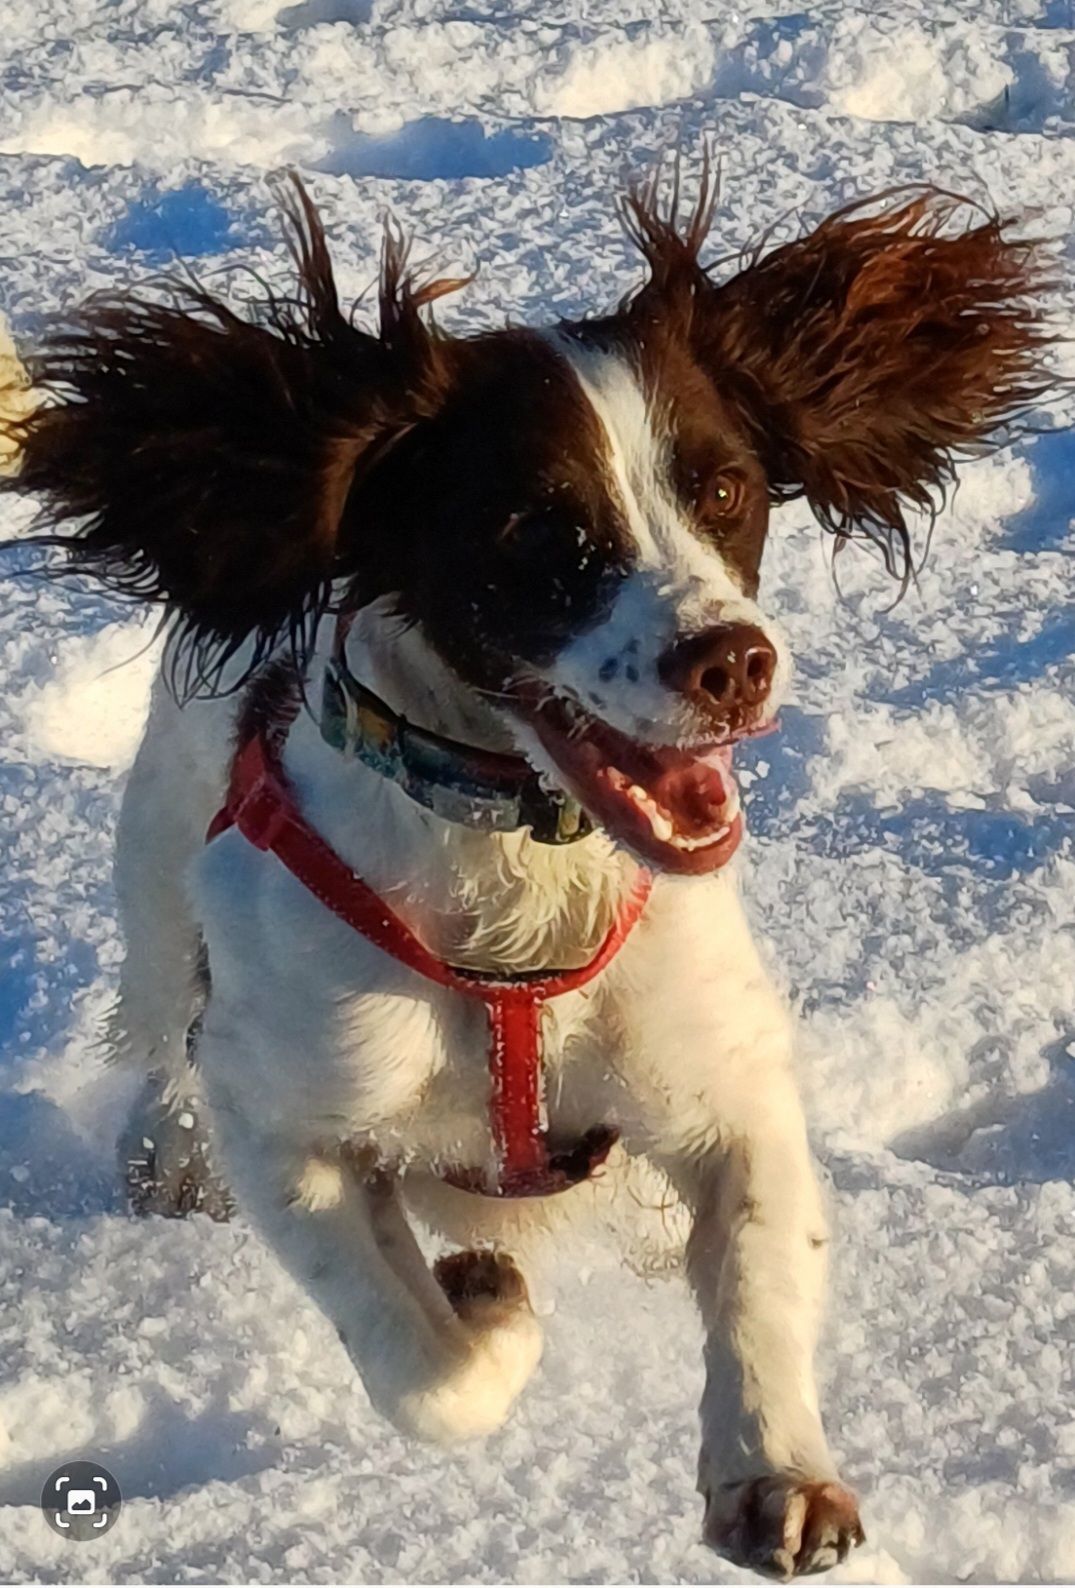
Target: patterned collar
480,789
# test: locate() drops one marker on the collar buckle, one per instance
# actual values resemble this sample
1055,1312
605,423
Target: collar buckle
552,817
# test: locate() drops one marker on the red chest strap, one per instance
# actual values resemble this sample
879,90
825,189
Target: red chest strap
261,805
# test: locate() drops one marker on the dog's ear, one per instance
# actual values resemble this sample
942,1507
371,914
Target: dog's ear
186,455
865,357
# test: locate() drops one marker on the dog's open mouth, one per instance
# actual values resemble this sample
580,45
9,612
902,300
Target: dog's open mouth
676,809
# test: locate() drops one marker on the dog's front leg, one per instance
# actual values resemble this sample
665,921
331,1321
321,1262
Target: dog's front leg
756,1260
443,1352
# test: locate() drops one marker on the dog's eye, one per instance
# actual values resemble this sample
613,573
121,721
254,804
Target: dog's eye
544,534
723,497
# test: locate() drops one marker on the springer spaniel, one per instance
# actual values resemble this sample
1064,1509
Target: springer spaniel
464,631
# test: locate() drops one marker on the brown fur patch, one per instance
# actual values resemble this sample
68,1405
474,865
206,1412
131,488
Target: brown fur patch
863,359
471,1277
236,469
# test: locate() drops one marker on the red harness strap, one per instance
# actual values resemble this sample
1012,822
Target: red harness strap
261,805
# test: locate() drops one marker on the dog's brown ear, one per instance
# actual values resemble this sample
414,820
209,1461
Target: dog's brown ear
189,456
868,355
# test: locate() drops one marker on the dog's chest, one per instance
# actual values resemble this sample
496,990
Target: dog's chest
332,1031
338,1040
423,1061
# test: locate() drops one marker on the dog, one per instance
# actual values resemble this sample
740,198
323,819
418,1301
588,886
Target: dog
427,846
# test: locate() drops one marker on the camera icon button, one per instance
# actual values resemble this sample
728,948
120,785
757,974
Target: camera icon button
81,1500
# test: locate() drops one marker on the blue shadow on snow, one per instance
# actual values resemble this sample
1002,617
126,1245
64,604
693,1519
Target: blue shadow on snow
925,831
184,222
319,13
1007,662
46,1169
1046,524
1002,1140
937,838
431,148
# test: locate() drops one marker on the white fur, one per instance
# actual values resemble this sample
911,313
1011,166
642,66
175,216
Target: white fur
679,586
320,1056
339,1081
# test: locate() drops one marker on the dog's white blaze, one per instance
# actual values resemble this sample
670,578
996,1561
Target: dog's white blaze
638,455
679,585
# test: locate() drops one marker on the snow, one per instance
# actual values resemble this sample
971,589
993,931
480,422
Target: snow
888,71
911,867
93,709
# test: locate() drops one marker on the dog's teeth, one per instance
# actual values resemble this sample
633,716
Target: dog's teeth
683,842
661,822
662,827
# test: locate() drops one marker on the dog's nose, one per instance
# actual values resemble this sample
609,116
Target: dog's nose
727,670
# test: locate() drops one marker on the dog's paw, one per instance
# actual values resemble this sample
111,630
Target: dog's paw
783,1526
164,1159
502,1344
481,1286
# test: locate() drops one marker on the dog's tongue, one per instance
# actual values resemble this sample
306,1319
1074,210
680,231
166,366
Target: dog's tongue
676,811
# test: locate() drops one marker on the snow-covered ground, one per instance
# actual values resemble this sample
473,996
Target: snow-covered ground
912,864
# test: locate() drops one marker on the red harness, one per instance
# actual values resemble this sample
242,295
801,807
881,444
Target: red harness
262,806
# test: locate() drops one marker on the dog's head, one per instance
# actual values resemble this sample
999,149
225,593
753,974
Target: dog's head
575,517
